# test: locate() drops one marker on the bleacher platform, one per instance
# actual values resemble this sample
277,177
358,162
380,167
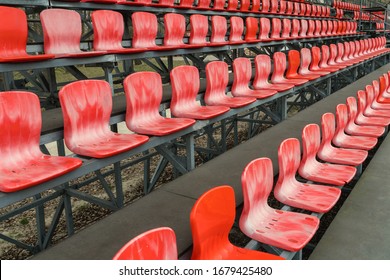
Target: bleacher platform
273,64
103,239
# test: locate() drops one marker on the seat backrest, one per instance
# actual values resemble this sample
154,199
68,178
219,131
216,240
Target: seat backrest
198,30
290,8
294,60
351,109
204,4
311,27
242,71
218,29
185,87
265,27
62,31
274,6
332,54
304,27
175,28
317,28
263,70
324,56
236,29
286,30
282,7
302,10
143,97
265,5
86,108
328,129
315,58
280,65
155,244
211,219
255,6
13,32
308,9
341,118
296,10
219,4
340,52
186,3
252,27
145,29
20,126
305,61
295,28
276,28
257,182
289,158
310,144
217,78
232,5
108,29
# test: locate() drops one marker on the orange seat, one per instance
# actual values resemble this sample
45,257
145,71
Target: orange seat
287,230
13,37
108,29
314,170
154,244
294,61
242,70
143,97
211,219
290,191
86,107
185,88
62,30
22,164
217,78
329,153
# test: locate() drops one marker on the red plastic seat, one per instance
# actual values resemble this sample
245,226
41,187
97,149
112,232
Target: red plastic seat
255,7
287,230
303,30
108,29
203,5
340,54
264,29
290,8
306,61
277,76
211,220
232,5
290,191
185,4
86,107
383,96
242,70
325,53
22,164
329,153
145,29
274,6
143,97
359,130
13,37
332,57
315,61
294,60
218,4
286,28
217,78
344,140
265,6
175,28
185,88
263,70
218,30
374,109
311,28
198,30
282,7
62,33
154,244
252,28
317,28
313,170
236,30
276,29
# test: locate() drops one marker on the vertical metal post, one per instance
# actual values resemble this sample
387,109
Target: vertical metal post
190,151
146,172
40,219
68,214
118,184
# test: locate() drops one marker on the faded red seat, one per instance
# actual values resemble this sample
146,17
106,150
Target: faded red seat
263,70
325,55
217,78
306,61
108,29
303,30
366,115
218,30
62,33
294,60
255,7
86,107
154,244
175,28
185,88
265,6
329,153
315,61
359,130
143,97
332,57
185,4
290,191
295,28
313,170
373,108
145,29
232,5
383,94
199,28
242,70
219,5
344,140
276,29
264,30
203,5
211,220
13,37
286,230
280,65
236,30
274,6
286,29
22,164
